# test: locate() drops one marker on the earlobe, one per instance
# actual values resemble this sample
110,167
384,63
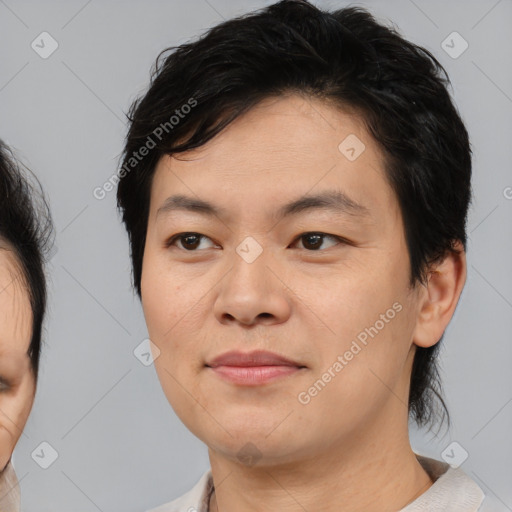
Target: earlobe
439,297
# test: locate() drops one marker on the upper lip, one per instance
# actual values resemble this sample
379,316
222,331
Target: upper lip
255,358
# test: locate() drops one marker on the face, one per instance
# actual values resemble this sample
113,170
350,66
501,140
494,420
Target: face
17,383
323,283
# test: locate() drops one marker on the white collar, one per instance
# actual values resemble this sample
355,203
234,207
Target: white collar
9,490
452,488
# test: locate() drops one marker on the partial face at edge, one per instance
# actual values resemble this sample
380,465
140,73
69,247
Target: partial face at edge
17,383
308,299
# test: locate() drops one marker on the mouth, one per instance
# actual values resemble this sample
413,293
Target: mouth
253,368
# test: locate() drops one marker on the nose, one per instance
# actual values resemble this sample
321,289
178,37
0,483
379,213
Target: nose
252,293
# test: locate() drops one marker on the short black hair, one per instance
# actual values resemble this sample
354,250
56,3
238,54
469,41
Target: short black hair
345,58
26,229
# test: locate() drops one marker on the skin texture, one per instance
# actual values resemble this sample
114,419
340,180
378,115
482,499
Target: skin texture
350,443
17,394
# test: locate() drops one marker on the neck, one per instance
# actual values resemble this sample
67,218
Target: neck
370,472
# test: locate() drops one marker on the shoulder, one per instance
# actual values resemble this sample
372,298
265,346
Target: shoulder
195,500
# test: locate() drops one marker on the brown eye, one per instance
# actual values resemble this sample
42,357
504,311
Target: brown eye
313,241
188,241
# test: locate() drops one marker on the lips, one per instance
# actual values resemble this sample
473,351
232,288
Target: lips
249,359
253,368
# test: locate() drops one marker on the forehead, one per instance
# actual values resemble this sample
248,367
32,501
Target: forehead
15,309
282,148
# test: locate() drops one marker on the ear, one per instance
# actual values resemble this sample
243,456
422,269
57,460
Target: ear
439,297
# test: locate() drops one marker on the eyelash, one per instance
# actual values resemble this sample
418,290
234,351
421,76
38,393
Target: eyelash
4,385
339,239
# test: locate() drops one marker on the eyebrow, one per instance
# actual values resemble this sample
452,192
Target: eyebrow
331,200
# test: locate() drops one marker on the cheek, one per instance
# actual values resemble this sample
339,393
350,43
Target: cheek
168,288
7,443
159,300
172,309
14,412
349,304
169,300
371,301
367,330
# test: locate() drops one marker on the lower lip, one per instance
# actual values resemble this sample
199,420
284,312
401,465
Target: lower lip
253,375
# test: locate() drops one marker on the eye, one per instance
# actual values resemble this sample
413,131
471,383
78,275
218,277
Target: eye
4,385
189,241
313,240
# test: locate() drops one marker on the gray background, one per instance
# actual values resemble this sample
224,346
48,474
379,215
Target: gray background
120,446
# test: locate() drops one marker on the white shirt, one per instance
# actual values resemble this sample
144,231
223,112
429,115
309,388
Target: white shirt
9,490
452,491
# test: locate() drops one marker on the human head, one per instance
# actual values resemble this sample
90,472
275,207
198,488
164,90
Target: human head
25,233
344,59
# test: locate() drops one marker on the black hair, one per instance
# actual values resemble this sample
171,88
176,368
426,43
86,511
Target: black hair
26,229
345,58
